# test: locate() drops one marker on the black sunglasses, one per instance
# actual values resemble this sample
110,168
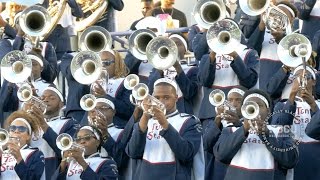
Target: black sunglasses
108,62
20,129
85,138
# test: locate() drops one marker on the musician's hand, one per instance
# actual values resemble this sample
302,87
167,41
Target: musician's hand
137,113
160,116
234,54
102,125
294,91
308,97
98,91
2,22
246,126
262,25
220,110
231,116
77,154
212,56
15,151
178,67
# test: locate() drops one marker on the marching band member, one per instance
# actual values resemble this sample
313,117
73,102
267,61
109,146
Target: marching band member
52,124
236,145
22,161
91,166
266,43
7,19
167,143
146,5
214,168
306,106
183,74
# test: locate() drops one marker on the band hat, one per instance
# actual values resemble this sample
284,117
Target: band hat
92,130
25,122
257,96
181,39
308,68
36,58
106,101
50,88
288,8
149,23
168,81
236,90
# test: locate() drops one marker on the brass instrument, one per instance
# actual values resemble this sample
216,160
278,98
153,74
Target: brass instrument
250,110
138,42
4,137
88,102
162,53
64,142
206,12
96,39
218,98
131,81
224,36
92,11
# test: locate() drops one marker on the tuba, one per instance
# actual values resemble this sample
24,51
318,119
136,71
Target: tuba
224,36
16,66
162,53
92,10
206,12
95,39
86,67
138,42
293,48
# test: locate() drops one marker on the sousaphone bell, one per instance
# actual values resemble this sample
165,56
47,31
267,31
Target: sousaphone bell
138,42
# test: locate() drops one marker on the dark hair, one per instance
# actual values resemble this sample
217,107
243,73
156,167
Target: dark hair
257,91
36,52
291,6
147,1
166,84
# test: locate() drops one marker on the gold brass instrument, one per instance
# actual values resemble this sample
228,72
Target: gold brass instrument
206,12
65,142
274,18
95,39
92,10
138,42
224,36
293,48
16,66
86,67
162,53
131,81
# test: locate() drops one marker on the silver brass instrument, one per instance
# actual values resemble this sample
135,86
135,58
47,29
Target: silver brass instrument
88,102
250,110
206,12
86,67
35,21
293,48
4,137
131,81
92,10
138,42
96,39
224,36
16,66
274,19
24,92
162,53
64,142
218,98
141,92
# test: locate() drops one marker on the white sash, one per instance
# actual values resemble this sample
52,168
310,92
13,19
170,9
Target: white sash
287,89
113,86
316,9
269,48
145,69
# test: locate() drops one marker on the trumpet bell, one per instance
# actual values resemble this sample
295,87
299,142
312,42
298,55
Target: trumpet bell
292,48
16,66
88,102
217,97
254,7
131,81
96,39
206,12
162,53
4,137
35,21
138,42
140,91
24,92
250,110
64,141
224,36
86,67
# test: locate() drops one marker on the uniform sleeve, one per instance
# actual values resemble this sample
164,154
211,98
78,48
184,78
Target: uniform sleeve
9,31
229,144
116,4
50,136
137,142
69,127
305,8
188,83
18,43
211,136
247,70
193,31
75,9
256,39
313,128
65,66
184,144
9,99
50,66
207,71
107,171
33,168
277,83
200,46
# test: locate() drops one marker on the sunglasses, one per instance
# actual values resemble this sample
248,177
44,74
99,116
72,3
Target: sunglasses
85,138
108,62
20,129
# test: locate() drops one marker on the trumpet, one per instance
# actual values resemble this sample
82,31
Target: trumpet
88,102
140,92
250,110
64,142
25,92
131,81
138,42
206,12
218,98
162,53
4,137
